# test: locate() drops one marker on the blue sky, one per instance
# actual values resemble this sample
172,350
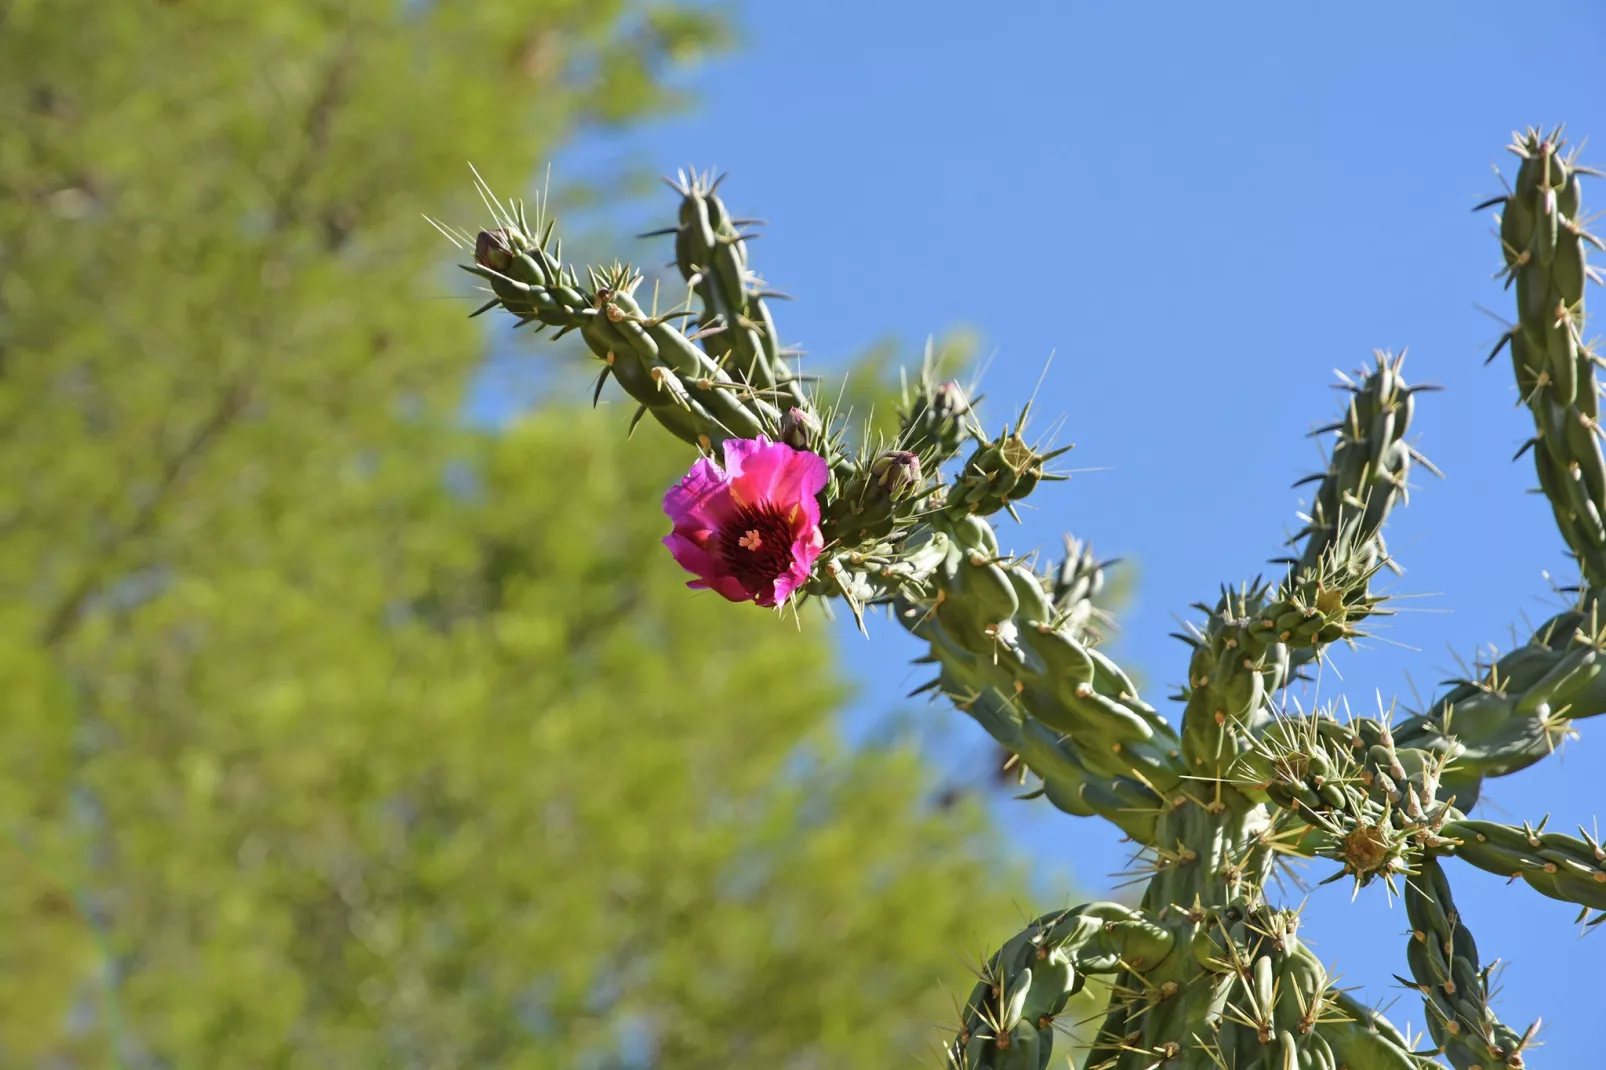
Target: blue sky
1200,210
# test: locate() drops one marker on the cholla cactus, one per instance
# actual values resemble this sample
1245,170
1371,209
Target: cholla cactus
1205,971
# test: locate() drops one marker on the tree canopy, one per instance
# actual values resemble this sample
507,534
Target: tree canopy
340,732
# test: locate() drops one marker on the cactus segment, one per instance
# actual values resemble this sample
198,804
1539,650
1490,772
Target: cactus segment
1008,1019
999,471
1443,959
1367,471
711,253
1556,865
1545,247
664,371
993,627
1255,637
935,417
1516,710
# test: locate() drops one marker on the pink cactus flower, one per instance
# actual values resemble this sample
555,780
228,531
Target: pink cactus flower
749,530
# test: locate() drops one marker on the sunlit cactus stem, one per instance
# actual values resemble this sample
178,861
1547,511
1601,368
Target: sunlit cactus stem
735,325
1206,971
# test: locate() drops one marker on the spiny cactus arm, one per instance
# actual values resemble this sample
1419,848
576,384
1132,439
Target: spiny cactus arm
1366,474
1386,1038
1513,712
1249,993
647,354
1545,248
1255,637
1556,865
735,325
982,686
1444,965
996,630
1517,709
1066,782
1008,1021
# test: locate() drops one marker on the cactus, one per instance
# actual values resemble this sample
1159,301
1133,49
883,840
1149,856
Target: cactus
1205,971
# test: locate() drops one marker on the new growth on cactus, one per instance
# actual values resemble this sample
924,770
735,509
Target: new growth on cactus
1206,971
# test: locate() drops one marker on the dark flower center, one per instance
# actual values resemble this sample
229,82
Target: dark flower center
757,545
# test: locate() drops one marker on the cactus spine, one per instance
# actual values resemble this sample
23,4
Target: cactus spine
1205,972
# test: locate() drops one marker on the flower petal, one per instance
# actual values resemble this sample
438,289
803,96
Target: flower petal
760,470
692,557
727,585
805,551
702,499
739,451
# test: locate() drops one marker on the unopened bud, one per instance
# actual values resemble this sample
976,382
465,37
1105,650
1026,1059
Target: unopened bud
949,400
935,423
898,471
799,428
493,249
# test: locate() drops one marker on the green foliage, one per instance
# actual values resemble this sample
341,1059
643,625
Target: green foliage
338,734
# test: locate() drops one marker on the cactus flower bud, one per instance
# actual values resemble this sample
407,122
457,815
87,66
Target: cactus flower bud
749,530
934,425
898,471
949,400
799,428
493,249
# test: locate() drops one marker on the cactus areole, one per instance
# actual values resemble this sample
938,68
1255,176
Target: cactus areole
1205,972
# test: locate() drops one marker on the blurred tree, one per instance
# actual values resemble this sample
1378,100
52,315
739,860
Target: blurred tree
340,734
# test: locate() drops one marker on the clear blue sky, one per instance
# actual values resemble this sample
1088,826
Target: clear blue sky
1201,210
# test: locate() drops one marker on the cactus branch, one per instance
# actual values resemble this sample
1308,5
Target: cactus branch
995,630
1455,989
711,253
1545,247
1008,1021
1205,972
1255,637
1568,868
1515,711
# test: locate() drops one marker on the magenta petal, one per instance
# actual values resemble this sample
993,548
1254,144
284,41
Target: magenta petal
760,470
811,480
805,550
739,452
692,557
702,499
727,585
